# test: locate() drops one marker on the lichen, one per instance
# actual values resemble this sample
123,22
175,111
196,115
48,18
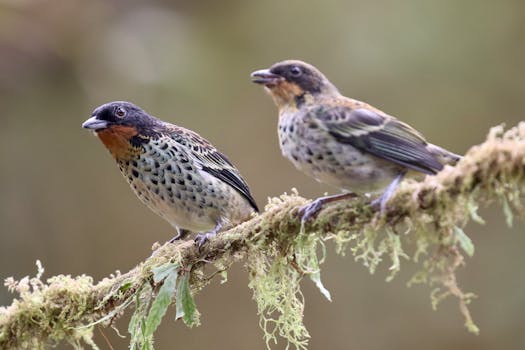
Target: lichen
276,267
46,312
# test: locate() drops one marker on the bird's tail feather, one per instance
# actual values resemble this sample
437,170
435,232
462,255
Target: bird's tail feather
444,156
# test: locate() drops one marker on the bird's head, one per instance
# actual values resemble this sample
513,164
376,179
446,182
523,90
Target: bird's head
292,83
122,127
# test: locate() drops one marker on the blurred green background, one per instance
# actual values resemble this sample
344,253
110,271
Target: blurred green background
450,68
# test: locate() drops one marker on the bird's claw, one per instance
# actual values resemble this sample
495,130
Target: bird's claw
202,238
175,238
309,210
376,203
380,204
181,233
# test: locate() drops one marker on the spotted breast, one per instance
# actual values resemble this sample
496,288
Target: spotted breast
174,171
312,150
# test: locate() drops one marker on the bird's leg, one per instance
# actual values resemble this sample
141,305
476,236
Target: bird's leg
311,209
181,233
382,201
201,238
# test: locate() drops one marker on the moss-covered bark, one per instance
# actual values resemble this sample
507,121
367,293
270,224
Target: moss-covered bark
424,218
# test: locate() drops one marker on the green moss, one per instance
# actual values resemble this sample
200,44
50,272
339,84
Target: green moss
46,312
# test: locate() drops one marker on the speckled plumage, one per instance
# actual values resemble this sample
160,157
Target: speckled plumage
341,141
318,154
178,175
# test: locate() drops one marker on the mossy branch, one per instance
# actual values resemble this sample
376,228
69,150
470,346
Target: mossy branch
424,217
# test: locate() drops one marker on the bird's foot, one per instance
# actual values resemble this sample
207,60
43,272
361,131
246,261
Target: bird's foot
175,238
380,203
310,210
202,238
181,233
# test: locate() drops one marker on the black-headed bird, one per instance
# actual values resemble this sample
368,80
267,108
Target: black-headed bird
341,141
178,174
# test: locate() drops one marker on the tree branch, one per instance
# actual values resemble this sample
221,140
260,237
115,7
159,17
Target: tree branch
434,210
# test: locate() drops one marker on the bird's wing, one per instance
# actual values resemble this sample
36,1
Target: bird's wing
378,134
209,159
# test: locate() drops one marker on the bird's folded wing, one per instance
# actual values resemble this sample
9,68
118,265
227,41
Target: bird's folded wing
209,159
380,135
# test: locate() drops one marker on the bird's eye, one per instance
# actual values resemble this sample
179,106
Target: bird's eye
120,112
296,71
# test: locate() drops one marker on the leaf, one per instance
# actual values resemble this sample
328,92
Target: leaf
316,275
507,211
136,324
464,241
185,304
161,272
473,210
316,278
124,287
160,304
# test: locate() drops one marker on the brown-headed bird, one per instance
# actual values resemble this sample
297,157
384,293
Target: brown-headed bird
178,174
341,141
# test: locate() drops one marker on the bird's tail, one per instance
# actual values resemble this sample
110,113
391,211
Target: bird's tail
444,156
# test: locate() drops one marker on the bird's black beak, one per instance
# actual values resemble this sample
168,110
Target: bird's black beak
265,77
95,124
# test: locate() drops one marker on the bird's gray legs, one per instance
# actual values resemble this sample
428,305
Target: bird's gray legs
310,210
181,233
201,238
382,201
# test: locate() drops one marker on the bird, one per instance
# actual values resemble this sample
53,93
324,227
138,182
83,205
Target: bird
174,171
341,141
